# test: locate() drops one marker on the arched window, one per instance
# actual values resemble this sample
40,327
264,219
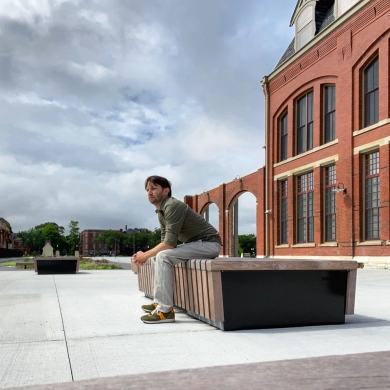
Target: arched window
305,28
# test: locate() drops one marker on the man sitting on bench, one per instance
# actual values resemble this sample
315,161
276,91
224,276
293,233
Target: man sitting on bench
178,222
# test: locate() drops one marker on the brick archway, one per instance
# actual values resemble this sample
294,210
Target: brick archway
225,196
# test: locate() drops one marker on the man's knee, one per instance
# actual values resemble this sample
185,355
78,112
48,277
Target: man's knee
162,256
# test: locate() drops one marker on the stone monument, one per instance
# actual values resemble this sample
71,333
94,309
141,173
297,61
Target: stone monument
47,249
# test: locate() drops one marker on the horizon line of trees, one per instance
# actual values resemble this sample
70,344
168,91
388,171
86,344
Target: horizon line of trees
35,238
128,243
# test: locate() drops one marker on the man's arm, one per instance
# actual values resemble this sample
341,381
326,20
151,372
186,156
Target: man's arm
141,257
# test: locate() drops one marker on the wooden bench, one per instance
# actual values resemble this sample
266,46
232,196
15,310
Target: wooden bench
24,264
240,293
56,265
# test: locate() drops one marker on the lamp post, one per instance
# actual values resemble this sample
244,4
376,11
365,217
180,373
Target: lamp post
115,246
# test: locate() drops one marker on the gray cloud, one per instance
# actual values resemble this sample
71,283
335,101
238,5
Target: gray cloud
95,96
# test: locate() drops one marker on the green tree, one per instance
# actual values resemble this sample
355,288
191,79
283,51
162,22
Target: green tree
60,229
73,237
51,232
36,237
154,237
110,238
247,242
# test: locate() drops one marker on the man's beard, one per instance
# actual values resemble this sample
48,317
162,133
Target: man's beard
156,199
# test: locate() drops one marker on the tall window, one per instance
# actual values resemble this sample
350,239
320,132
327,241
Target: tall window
304,110
371,196
283,137
330,203
283,212
305,208
329,113
305,27
371,93
345,5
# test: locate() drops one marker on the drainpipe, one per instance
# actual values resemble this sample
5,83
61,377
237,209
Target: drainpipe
264,84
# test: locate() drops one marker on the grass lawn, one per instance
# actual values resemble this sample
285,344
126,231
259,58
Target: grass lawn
86,263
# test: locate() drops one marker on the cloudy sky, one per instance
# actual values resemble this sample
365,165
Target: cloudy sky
97,95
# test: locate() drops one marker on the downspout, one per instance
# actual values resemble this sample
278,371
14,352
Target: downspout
264,83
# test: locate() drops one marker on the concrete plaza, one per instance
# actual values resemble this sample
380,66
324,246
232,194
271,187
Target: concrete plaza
64,328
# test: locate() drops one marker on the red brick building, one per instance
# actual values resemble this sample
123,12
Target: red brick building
324,190
90,248
5,234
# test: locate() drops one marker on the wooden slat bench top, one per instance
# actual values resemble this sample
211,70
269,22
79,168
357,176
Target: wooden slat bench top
245,264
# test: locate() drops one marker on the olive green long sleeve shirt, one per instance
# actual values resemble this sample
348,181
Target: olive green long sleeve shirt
179,222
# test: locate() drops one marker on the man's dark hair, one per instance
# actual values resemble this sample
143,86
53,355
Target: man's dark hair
161,181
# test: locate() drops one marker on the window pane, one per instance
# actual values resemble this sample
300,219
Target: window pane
329,111
371,93
330,203
301,147
305,208
283,137
372,196
310,136
329,98
304,132
310,106
283,212
301,108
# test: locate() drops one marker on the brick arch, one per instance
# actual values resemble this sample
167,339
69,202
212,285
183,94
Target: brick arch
232,228
206,206
223,196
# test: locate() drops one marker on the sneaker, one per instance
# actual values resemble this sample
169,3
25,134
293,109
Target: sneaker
149,308
157,317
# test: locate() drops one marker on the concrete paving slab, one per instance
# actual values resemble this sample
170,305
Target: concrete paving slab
29,309
107,306
24,364
362,371
100,311
183,350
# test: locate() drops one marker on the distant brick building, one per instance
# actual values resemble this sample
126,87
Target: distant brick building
324,190
90,248
5,234
18,245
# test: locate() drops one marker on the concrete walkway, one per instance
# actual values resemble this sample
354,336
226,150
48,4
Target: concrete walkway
63,328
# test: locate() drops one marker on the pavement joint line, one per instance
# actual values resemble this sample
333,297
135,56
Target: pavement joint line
63,328
31,342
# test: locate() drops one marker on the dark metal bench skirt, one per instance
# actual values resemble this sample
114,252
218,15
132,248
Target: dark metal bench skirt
234,293
56,265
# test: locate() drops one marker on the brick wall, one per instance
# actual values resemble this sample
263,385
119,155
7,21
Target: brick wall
339,58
